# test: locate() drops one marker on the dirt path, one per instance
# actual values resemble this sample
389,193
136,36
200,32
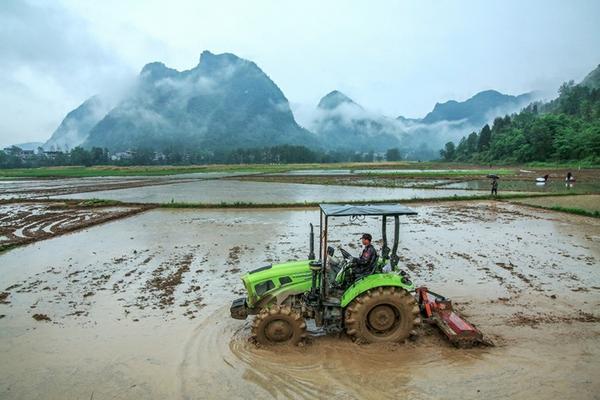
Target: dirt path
138,308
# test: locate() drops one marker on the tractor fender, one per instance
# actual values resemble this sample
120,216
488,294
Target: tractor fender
374,281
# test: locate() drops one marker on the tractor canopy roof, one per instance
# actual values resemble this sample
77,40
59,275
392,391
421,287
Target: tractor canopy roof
341,210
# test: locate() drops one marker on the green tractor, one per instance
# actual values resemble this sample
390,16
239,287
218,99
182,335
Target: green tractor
380,306
374,308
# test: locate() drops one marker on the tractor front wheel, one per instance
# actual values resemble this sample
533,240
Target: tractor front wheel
278,325
384,314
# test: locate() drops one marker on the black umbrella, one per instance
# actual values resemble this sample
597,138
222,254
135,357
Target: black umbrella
493,176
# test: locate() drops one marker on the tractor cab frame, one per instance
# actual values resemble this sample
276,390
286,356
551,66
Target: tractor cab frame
329,211
326,297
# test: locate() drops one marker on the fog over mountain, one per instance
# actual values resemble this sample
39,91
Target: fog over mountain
592,80
392,57
227,102
452,120
343,124
75,128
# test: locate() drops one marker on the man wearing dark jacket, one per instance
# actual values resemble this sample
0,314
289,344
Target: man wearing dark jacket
363,265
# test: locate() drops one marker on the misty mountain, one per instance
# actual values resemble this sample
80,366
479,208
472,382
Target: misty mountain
566,128
479,109
76,126
336,99
225,102
453,119
592,80
342,124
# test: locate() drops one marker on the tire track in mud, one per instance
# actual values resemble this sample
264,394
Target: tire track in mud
141,288
218,361
218,351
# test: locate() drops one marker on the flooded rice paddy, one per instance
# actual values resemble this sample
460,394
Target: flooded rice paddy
44,188
232,191
138,308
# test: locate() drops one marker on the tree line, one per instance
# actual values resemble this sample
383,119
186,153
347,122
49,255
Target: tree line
564,129
282,154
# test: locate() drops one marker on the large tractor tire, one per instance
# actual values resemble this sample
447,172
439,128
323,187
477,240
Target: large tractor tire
278,325
384,314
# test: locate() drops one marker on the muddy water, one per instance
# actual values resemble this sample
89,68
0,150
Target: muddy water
231,191
529,279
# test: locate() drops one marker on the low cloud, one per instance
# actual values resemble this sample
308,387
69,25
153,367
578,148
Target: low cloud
417,140
50,64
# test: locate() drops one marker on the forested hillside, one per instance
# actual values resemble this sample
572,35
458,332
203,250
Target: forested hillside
564,129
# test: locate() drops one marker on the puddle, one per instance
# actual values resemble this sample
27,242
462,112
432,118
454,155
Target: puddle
116,330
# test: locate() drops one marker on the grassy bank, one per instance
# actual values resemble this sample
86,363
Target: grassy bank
106,203
316,204
97,171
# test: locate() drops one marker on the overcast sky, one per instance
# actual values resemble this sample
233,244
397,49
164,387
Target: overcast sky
397,58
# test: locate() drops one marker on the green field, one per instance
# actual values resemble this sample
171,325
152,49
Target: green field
81,172
378,168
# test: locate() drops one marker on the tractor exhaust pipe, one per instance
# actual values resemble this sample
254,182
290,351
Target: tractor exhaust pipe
311,243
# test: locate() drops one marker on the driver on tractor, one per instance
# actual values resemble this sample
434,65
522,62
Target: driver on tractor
363,265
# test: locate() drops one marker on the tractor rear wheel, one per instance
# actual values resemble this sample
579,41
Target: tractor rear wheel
278,325
384,314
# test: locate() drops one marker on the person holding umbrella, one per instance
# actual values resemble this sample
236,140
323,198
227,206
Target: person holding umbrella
494,184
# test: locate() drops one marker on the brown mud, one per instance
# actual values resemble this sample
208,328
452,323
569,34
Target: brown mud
138,308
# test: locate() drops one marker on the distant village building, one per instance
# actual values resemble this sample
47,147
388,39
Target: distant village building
123,155
158,156
51,154
12,150
19,152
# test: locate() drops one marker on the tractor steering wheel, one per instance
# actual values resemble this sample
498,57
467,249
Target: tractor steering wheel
345,254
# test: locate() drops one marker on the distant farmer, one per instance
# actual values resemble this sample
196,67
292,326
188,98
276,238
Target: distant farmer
363,265
570,177
494,187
